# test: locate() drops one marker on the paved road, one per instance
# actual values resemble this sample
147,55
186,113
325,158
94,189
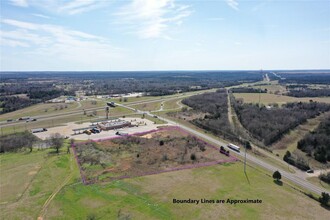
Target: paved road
292,177
76,112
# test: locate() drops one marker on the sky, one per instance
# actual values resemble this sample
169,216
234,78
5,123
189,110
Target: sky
125,35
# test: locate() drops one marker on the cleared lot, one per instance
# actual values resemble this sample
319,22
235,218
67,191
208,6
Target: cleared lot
67,130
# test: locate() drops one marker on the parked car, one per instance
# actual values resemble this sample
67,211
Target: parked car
310,171
96,130
31,119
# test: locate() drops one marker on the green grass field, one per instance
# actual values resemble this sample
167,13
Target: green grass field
85,104
155,120
272,87
29,179
266,98
172,104
151,197
152,106
39,109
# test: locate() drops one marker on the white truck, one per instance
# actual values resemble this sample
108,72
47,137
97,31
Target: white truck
37,130
234,147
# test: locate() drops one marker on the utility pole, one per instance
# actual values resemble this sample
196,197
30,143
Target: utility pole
245,160
107,112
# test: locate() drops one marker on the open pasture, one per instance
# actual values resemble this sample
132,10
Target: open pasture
266,98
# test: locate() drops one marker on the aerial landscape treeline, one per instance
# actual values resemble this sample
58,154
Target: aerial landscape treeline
247,90
215,105
317,143
269,125
307,92
21,89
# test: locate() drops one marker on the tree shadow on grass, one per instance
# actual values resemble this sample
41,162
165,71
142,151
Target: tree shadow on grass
327,207
278,182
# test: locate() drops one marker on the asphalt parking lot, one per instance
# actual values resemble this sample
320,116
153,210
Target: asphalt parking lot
141,125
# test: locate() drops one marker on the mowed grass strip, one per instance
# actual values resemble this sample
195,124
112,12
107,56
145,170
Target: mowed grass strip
152,106
172,104
40,109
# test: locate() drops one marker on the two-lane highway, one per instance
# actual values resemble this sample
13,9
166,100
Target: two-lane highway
292,177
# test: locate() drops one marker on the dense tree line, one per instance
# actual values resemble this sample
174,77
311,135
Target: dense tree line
247,90
13,103
296,86
325,177
317,142
16,142
216,106
296,161
309,92
47,94
305,77
34,94
269,125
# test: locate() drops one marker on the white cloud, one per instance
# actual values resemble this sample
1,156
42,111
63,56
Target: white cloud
20,3
25,36
58,43
68,7
41,16
80,6
151,18
20,24
233,4
13,43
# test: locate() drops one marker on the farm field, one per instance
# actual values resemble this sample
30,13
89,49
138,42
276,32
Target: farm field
151,197
146,197
272,87
159,151
267,99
